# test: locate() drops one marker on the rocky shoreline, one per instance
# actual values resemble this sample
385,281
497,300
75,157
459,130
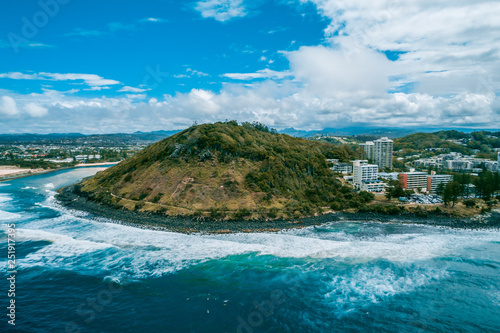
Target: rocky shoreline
69,199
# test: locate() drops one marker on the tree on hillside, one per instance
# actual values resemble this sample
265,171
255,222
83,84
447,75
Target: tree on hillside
440,189
394,191
451,193
486,184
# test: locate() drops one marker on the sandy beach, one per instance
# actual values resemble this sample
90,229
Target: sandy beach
82,165
12,171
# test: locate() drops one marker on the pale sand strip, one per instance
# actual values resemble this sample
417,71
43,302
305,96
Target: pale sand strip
9,171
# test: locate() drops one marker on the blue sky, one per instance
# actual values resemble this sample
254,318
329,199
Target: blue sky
121,66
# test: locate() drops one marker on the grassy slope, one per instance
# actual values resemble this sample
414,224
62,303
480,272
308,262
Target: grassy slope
224,169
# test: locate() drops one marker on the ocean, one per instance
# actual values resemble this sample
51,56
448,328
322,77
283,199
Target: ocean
77,274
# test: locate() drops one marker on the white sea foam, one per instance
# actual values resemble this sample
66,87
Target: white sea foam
49,185
373,284
8,217
142,252
28,188
62,250
403,248
4,198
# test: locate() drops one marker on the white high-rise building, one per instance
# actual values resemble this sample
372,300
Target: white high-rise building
368,149
382,153
365,177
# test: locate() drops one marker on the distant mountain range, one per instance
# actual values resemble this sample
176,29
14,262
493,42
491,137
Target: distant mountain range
78,138
149,137
372,131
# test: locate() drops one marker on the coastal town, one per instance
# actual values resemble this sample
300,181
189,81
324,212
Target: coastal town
18,159
419,180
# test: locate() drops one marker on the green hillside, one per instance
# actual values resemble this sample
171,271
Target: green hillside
419,141
226,170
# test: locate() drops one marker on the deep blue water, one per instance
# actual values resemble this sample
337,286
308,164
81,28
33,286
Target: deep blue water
76,274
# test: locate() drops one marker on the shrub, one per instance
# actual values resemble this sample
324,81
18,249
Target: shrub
218,213
336,206
273,213
469,203
242,213
157,198
139,205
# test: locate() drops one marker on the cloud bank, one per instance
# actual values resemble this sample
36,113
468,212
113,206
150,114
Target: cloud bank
383,63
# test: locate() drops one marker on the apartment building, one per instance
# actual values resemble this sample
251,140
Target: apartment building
413,180
382,152
433,182
365,177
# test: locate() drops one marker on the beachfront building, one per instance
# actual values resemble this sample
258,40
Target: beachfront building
413,180
382,153
433,182
365,177
372,186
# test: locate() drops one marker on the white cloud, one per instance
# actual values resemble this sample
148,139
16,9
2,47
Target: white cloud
327,71
8,106
19,76
89,79
260,74
153,20
137,96
98,88
189,73
195,72
35,110
20,44
221,10
458,38
285,104
132,89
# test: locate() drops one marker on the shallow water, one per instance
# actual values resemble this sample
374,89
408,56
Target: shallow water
81,275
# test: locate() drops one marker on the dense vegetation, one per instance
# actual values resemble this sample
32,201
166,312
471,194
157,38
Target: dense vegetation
31,164
481,140
228,170
420,141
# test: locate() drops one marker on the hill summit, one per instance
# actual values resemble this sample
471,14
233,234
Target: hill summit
225,170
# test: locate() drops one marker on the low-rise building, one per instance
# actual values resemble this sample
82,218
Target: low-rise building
433,182
372,186
342,167
492,166
389,175
413,180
